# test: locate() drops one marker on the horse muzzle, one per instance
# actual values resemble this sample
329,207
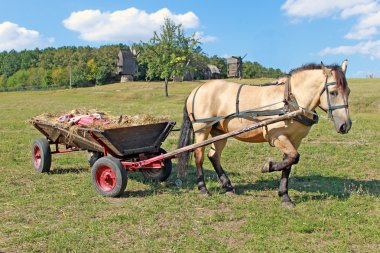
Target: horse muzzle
345,127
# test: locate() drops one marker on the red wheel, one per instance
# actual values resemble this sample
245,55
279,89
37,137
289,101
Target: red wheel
109,177
105,178
41,155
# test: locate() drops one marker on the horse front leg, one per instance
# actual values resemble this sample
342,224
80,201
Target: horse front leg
291,156
283,189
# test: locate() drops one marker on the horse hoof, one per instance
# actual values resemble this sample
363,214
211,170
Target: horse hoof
288,204
266,167
204,192
230,191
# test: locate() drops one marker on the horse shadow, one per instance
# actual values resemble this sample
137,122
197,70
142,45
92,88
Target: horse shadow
316,187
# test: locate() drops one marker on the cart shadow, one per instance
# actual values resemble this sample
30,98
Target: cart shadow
62,171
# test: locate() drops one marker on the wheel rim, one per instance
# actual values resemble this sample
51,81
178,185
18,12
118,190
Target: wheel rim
105,178
37,157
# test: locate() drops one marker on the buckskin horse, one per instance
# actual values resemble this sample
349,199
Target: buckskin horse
219,106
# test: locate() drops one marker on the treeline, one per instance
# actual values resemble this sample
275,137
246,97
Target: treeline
56,66
256,70
91,66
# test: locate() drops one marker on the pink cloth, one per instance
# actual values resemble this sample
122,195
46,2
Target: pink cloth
84,120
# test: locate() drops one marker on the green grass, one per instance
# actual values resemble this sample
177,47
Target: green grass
336,186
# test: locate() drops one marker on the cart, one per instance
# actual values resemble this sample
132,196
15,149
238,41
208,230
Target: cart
114,152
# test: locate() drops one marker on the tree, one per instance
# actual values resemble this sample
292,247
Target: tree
60,76
3,81
92,70
102,75
169,52
221,63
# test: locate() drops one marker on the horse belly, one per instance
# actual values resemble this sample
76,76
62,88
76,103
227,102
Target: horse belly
230,125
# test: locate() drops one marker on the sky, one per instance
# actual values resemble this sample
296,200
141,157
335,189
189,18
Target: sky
282,34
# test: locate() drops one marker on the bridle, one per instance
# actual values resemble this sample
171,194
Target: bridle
331,107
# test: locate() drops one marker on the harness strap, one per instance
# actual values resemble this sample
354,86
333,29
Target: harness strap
247,113
288,96
237,97
289,104
193,103
255,85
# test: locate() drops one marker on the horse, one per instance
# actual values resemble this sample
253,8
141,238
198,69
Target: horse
219,106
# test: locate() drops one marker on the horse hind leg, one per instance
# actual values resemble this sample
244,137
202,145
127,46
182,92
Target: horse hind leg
199,158
214,156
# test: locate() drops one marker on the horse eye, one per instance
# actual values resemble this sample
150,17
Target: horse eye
333,93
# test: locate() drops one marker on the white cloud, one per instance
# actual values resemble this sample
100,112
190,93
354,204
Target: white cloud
320,8
359,34
204,39
366,28
370,48
13,36
124,25
360,9
368,12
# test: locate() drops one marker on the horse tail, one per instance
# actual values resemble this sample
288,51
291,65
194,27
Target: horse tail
185,138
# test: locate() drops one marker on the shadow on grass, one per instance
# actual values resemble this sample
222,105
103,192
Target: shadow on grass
323,186
61,171
318,187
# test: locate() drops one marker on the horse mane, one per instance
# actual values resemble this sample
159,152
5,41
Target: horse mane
341,81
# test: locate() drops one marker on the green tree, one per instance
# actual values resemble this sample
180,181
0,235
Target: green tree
10,63
91,71
60,76
169,52
19,79
221,63
102,75
3,81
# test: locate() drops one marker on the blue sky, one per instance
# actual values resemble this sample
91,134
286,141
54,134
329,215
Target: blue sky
281,33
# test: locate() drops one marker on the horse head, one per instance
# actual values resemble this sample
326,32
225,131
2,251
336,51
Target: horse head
334,97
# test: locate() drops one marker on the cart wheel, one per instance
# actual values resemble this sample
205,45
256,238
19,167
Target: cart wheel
93,157
159,174
109,177
41,155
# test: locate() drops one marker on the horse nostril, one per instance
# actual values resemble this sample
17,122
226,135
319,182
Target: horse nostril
343,128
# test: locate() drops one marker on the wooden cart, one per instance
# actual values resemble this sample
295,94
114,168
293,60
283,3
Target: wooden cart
114,152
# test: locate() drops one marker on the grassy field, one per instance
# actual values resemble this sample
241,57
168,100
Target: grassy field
336,186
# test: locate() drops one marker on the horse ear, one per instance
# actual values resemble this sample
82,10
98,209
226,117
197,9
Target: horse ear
326,71
344,66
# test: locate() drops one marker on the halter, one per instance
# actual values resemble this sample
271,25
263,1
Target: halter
330,108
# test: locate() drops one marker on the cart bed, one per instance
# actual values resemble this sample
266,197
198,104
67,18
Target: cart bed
123,142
